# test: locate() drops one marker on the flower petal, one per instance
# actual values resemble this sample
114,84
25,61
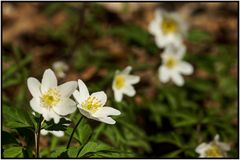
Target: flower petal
67,88
49,114
57,133
34,87
106,111
101,96
43,132
84,112
65,107
224,146
132,79
163,74
77,96
49,80
118,95
177,79
84,94
36,105
202,148
107,120
129,90
127,70
185,68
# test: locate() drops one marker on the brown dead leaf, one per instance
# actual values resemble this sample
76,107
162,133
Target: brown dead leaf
88,73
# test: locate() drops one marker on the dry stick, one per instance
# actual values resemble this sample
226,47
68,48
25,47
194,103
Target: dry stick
73,132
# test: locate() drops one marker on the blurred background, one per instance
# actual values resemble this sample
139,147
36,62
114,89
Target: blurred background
96,39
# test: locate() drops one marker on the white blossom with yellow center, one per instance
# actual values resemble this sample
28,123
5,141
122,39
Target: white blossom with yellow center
214,149
60,68
173,66
167,28
50,100
92,106
122,84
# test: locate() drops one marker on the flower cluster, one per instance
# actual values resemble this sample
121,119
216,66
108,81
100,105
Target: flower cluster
53,101
169,30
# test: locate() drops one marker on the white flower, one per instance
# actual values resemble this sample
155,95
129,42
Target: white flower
55,133
44,132
214,149
91,106
122,84
173,66
60,68
167,28
50,100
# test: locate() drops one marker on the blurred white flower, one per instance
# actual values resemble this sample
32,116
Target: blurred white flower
173,66
50,100
44,132
214,149
167,28
60,68
92,106
122,84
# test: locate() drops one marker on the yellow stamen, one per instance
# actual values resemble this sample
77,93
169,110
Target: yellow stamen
168,25
119,81
50,98
214,151
171,62
91,104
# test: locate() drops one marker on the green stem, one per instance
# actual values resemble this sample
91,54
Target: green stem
37,137
70,139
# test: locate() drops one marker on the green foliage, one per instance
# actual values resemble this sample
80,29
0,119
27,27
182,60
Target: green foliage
13,152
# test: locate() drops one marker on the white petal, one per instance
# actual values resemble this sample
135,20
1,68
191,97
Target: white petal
101,96
118,95
49,114
185,68
129,90
67,88
77,97
202,148
84,94
132,79
107,120
34,87
65,107
36,106
43,132
127,70
84,112
163,74
106,111
224,146
49,80
177,78
57,133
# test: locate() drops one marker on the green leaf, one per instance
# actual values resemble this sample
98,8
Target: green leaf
16,118
92,147
84,131
13,152
58,152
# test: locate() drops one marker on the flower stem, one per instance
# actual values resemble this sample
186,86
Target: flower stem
70,139
37,137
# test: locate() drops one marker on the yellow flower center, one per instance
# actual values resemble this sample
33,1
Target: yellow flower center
91,104
214,151
50,98
168,26
171,62
119,81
